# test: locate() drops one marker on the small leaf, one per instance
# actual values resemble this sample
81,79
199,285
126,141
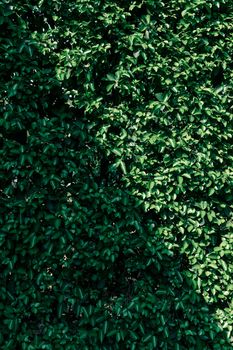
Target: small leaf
122,165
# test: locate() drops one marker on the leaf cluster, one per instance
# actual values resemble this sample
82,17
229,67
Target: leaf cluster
116,174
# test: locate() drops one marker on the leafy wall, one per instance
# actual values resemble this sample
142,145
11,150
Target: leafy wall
116,173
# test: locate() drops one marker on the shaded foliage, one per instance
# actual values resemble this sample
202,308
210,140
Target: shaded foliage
116,174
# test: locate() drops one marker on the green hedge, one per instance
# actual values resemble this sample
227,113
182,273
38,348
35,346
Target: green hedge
116,174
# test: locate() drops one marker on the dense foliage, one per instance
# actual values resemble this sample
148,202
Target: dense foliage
116,174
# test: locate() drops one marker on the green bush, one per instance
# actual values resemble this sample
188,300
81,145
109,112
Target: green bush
116,174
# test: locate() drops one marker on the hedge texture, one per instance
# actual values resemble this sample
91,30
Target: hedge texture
116,174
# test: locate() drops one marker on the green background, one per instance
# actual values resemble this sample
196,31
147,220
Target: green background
116,173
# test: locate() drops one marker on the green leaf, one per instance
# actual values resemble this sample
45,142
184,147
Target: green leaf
123,168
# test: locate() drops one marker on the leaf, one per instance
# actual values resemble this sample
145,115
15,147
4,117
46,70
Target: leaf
180,180
109,87
105,327
160,96
154,340
111,77
211,191
123,168
117,152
